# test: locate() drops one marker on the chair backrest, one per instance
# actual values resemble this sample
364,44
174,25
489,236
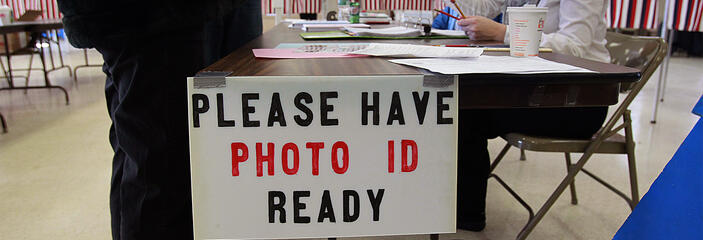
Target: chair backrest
633,51
644,53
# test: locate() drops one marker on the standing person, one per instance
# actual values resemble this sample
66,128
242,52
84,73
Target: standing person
148,48
239,26
572,27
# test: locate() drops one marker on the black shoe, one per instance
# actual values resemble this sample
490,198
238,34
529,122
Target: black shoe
474,226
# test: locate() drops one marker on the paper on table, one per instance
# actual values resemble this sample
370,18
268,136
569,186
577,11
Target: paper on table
490,64
385,32
444,32
408,50
296,53
331,27
299,23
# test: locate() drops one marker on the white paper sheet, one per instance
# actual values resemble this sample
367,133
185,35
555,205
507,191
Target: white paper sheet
490,64
409,50
385,32
444,32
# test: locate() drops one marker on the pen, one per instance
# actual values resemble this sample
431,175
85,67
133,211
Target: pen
452,45
442,12
457,8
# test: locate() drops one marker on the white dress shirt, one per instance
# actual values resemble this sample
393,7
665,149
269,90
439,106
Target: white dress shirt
576,27
572,27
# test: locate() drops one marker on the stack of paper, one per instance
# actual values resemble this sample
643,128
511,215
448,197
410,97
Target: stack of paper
409,50
332,27
299,22
490,64
374,18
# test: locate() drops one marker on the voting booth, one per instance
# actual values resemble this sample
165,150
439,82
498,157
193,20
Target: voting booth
323,156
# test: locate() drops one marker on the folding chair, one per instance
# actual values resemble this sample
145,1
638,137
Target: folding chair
645,53
30,49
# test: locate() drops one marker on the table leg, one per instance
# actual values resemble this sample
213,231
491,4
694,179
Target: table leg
75,69
2,122
46,75
9,65
58,46
51,53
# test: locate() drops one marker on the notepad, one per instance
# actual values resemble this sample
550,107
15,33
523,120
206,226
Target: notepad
491,64
410,50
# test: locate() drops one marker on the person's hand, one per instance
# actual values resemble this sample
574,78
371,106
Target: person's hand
481,28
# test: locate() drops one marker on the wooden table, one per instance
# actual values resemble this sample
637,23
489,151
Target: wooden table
600,88
36,27
476,90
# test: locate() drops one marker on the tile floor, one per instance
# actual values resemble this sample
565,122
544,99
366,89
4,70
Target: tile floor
55,163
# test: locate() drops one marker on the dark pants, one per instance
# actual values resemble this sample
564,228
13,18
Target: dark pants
240,26
477,126
146,98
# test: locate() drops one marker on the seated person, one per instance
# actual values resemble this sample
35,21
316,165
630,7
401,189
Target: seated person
445,22
573,27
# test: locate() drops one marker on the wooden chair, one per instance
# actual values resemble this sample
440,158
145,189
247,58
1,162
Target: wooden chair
645,53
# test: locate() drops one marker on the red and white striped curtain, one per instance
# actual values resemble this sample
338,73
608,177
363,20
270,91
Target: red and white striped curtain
315,6
306,6
403,4
636,14
409,4
374,5
297,6
49,8
685,15
439,4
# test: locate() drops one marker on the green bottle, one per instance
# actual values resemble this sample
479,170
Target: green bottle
354,9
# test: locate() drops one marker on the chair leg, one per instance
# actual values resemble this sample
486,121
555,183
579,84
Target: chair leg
633,178
559,190
29,71
500,156
572,186
523,157
630,145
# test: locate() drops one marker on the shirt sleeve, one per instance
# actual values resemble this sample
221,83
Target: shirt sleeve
484,8
440,22
578,20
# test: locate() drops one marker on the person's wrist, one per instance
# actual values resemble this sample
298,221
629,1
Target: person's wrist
501,33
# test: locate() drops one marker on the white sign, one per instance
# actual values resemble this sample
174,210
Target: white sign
319,156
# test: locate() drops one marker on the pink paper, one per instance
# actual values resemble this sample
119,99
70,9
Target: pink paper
295,53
